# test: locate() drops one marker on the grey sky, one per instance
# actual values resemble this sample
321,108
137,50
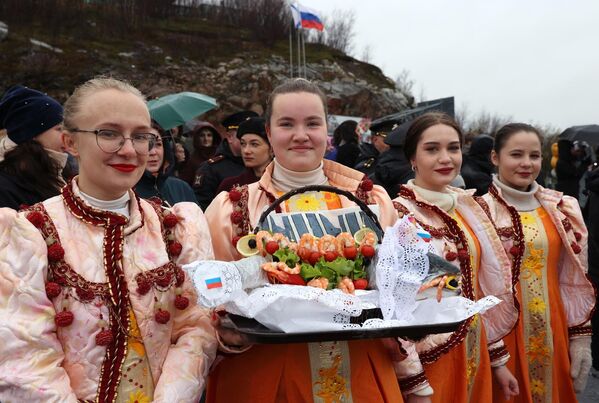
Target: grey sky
536,61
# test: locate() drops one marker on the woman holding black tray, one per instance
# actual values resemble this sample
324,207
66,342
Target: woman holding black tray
358,371
457,366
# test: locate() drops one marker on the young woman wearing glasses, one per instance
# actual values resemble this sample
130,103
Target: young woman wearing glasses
98,306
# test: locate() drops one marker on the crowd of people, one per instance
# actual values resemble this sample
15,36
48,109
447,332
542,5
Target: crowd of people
102,207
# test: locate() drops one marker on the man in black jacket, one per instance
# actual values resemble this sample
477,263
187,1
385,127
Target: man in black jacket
592,218
370,152
477,168
226,163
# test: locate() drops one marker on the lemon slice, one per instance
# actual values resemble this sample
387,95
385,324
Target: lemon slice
359,235
246,247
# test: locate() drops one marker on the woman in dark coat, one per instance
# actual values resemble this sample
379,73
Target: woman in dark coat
31,152
205,141
345,139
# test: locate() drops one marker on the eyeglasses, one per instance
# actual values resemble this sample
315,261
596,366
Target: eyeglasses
111,141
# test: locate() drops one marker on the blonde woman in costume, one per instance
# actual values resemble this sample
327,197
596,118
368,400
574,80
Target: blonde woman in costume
544,233
93,303
456,367
358,371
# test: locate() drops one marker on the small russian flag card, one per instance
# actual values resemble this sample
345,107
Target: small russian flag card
214,282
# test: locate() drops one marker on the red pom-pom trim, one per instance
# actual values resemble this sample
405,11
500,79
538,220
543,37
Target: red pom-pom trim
451,256
236,217
170,221
84,295
55,252
514,250
104,338
64,318
235,240
463,254
162,316
366,185
164,281
36,218
53,289
175,248
181,302
578,236
576,248
234,195
180,276
143,286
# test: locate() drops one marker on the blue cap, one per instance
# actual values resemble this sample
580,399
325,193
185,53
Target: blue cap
26,113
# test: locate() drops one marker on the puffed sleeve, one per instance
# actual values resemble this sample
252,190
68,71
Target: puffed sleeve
193,338
30,352
221,229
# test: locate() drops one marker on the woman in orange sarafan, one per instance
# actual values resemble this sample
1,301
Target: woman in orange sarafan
458,366
544,233
358,371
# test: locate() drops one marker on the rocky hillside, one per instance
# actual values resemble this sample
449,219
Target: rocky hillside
184,54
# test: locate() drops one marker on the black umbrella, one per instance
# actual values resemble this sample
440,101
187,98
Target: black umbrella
588,133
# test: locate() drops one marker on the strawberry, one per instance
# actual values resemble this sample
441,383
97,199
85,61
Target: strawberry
104,337
271,247
314,257
367,251
350,252
330,256
360,284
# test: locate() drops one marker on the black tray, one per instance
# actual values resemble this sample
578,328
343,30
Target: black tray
257,333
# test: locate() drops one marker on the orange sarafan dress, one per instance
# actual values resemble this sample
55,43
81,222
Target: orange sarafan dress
458,365
540,230
354,371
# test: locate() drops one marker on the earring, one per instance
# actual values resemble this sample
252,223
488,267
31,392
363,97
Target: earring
413,168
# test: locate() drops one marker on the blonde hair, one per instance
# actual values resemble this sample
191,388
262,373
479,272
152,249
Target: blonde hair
72,106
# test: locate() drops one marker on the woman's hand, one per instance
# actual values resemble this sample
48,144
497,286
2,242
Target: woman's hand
229,337
507,381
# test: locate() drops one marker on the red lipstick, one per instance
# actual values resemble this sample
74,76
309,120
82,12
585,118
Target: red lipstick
444,171
124,167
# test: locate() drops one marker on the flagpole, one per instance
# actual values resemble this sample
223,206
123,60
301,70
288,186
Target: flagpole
304,49
291,50
299,54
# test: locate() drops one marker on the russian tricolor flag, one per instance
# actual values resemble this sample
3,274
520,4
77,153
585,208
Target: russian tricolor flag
305,17
213,283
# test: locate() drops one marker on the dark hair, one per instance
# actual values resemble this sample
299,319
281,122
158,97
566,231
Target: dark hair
294,86
423,122
507,131
36,170
346,131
